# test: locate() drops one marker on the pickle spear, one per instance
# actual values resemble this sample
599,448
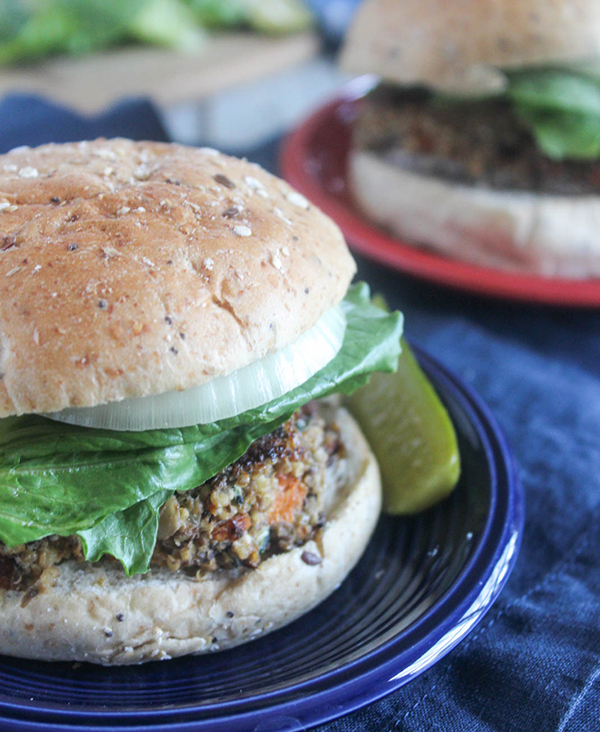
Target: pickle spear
411,435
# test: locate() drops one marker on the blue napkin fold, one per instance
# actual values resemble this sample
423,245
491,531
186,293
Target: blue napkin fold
534,661
333,17
31,120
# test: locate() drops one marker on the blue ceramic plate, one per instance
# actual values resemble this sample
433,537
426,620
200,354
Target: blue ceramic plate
422,585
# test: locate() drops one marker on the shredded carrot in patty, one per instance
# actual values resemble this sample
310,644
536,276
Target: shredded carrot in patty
288,501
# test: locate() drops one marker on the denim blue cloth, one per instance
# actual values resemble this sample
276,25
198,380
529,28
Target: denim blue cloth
534,661
533,664
333,17
31,120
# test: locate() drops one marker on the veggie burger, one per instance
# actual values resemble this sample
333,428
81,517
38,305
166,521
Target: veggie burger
482,137
172,480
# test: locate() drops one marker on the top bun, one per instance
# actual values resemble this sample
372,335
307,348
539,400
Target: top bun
129,269
459,45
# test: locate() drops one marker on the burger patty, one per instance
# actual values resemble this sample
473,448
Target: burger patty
473,143
270,500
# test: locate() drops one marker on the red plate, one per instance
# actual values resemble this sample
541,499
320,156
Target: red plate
314,161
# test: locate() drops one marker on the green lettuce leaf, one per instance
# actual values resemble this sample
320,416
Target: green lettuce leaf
266,16
552,90
277,16
563,135
108,487
562,110
31,30
72,26
13,17
113,534
218,13
167,23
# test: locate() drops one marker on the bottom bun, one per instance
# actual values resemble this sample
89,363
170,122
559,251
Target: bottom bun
95,613
542,234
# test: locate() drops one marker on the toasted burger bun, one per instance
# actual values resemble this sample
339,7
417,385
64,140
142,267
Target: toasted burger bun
95,613
549,235
131,269
459,45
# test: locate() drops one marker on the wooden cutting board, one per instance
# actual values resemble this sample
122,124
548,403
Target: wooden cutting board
89,83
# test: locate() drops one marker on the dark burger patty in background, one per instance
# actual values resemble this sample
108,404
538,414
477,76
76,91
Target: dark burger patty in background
480,143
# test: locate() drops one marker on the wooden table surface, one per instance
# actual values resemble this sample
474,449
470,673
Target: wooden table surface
89,83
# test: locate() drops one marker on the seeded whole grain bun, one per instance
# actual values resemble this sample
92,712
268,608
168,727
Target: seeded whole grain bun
458,45
544,234
95,613
135,268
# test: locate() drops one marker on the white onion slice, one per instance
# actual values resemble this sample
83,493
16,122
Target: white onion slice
224,396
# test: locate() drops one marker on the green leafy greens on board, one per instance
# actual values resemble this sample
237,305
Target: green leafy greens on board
32,29
108,487
266,16
75,27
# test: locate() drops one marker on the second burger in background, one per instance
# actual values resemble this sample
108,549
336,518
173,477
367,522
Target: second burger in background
482,139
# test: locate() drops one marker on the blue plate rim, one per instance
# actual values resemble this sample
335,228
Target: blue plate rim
379,672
